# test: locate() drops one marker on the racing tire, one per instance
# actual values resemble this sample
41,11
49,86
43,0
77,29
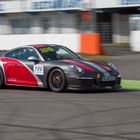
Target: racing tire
1,79
57,80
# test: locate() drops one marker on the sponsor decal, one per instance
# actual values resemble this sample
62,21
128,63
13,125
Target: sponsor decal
46,50
11,80
110,78
38,69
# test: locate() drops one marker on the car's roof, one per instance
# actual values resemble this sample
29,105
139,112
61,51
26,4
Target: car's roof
36,46
44,45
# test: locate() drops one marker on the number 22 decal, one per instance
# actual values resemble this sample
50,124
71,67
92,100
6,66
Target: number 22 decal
38,69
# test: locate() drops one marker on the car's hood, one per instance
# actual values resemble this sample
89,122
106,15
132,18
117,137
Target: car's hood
90,65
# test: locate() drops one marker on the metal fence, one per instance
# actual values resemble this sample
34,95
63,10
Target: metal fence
110,32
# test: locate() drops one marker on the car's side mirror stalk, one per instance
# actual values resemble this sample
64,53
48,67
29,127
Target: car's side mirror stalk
34,59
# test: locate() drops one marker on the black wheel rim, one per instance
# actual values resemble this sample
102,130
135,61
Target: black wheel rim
56,80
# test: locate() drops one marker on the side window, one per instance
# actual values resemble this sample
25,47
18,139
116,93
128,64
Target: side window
25,53
62,54
12,54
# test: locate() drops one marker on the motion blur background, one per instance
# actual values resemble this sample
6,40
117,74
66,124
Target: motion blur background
115,20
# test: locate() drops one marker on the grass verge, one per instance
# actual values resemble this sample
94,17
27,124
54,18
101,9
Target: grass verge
121,46
131,84
93,56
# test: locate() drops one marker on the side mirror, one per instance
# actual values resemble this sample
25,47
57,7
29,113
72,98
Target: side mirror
34,59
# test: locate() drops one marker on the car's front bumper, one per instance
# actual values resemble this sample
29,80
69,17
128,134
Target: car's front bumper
87,83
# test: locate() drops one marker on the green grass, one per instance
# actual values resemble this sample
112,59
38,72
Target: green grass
125,45
93,56
131,84
105,56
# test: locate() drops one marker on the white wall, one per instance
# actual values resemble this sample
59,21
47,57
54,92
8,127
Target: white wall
106,3
135,41
115,3
12,41
11,6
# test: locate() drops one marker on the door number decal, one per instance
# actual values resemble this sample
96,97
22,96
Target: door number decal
38,69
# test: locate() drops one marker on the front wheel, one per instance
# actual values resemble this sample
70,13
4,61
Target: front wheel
57,80
1,78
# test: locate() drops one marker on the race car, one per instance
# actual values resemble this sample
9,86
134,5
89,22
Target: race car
57,68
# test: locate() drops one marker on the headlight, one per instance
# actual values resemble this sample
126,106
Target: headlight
76,69
112,66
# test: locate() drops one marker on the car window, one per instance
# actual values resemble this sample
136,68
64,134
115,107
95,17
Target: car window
48,53
54,52
12,54
25,53
63,54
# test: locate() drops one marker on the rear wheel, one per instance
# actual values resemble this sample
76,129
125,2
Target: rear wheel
1,78
57,80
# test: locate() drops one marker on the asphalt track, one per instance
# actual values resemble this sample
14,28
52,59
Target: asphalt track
36,114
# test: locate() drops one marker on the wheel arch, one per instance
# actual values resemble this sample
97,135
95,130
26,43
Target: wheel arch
3,73
48,73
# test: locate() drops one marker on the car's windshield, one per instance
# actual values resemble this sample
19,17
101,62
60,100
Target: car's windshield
54,52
